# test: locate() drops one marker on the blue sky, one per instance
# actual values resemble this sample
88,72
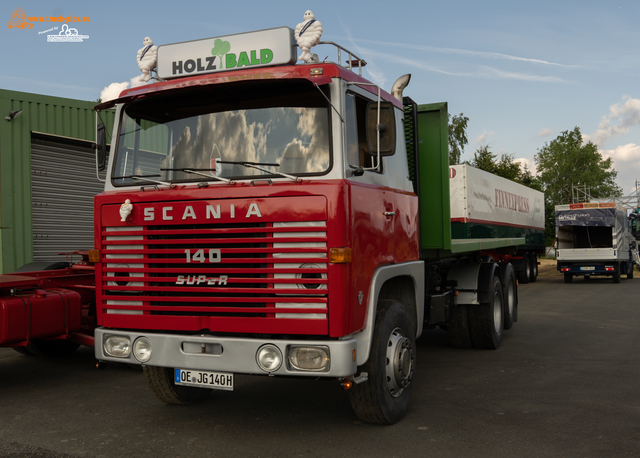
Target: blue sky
523,72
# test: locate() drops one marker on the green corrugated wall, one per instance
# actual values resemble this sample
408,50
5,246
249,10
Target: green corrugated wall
49,115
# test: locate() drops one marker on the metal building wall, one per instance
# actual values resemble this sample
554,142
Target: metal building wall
44,114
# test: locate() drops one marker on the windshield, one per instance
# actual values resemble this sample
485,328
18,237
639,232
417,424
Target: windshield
200,134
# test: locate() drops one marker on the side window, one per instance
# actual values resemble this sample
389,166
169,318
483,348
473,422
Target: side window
355,132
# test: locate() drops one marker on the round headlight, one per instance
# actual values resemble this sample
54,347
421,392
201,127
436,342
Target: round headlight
269,358
142,349
117,346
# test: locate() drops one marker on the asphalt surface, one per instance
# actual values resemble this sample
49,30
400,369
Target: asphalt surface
564,384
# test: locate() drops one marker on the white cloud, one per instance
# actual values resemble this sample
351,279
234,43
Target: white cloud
530,164
544,132
623,153
465,52
482,138
113,90
621,118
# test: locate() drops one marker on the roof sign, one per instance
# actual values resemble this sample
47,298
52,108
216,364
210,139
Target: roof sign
246,50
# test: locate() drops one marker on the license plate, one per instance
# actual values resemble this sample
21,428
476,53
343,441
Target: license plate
204,379
587,268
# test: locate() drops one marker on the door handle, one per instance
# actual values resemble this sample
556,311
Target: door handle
389,214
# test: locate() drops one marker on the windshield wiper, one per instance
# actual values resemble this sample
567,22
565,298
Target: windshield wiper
260,165
144,178
199,172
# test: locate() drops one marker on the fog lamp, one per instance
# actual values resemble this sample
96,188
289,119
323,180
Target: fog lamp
309,358
117,346
269,358
142,349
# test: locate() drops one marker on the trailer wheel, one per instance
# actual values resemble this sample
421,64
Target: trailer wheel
458,327
160,382
525,275
534,268
486,320
384,398
630,270
23,351
51,348
509,294
616,274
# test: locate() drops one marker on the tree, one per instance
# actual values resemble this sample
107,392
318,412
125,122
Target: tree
567,162
506,167
457,137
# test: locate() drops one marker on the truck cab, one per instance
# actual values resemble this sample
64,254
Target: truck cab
257,221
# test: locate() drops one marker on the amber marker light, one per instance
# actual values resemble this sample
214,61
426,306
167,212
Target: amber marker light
339,255
317,71
94,255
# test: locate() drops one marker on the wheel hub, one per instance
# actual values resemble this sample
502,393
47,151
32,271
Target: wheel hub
400,362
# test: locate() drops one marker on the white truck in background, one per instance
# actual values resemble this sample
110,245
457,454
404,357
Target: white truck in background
594,238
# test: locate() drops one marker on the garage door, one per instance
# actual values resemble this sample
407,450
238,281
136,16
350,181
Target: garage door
63,183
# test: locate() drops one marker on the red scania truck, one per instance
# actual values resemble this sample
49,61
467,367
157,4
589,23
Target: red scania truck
284,220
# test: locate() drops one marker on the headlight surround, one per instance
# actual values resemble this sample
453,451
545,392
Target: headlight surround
307,358
269,358
142,349
117,346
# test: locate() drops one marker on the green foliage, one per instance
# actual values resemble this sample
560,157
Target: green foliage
567,162
457,137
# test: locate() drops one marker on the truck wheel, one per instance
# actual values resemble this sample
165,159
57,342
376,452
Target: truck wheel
23,351
458,327
160,382
51,348
384,398
616,274
568,278
534,268
486,320
509,295
525,276
630,270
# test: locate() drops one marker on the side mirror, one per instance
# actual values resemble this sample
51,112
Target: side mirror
101,147
386,127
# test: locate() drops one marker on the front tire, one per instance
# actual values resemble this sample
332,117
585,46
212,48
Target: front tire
160,382
384,398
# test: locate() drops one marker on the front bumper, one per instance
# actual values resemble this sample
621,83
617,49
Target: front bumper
228,354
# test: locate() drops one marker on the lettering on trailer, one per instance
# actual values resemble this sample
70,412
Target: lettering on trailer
247,50
189,213
511,201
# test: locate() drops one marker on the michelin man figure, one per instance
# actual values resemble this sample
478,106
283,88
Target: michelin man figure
147,59
125,210
308,34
